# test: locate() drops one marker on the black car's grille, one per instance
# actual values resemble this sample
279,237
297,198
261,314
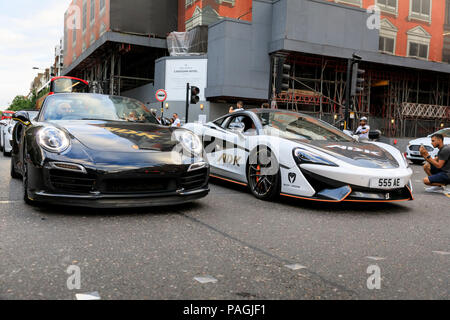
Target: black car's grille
143,185
195,179
71,182
417,148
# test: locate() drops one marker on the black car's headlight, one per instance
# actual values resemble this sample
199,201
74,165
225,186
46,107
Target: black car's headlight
53,139
189,141
302,156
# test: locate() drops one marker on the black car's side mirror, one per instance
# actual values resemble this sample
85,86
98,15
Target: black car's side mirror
22,117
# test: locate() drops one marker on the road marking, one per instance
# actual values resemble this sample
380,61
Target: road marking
443,253
206,279
9,202
295,267
376,258
88,296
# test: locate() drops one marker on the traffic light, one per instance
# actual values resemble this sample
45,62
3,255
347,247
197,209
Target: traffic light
282,77
195,91
357,80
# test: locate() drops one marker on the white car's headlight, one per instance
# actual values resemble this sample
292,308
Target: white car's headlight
189,141
302,156
53,139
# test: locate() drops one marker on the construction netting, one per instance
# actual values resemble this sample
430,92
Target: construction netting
190,43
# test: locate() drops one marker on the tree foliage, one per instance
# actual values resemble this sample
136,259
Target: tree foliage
23,103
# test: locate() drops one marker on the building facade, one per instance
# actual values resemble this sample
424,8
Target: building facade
406,91
409,28
85,22
114,43
192,13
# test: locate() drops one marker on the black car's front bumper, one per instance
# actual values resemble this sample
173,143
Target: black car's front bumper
120,201
149,186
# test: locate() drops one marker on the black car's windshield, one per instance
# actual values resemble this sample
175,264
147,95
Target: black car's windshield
444,132
95,107
299,127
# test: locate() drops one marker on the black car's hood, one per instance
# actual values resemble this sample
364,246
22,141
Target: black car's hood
120,136
365,155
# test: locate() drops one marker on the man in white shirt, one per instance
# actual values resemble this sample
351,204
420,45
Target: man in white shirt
176,121
364,129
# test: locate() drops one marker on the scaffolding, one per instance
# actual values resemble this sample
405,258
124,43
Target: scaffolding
401,102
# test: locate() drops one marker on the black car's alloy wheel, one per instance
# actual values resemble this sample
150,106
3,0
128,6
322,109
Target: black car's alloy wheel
263,183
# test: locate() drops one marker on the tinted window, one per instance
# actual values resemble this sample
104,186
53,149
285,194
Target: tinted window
295,126
64,85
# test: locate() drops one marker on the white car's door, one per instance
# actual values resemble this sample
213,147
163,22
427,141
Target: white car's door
225,146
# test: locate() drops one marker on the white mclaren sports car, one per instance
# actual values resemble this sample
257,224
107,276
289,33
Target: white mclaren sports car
276,152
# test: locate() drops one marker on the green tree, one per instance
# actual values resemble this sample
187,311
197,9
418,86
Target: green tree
20,103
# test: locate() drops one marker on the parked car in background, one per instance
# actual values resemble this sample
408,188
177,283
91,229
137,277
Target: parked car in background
5,118
7,115
6,132
412,150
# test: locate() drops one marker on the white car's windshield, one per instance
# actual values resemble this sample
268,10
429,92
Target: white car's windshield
444,132
295,126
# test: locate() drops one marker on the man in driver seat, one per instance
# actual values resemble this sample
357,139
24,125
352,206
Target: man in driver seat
250,129
63,110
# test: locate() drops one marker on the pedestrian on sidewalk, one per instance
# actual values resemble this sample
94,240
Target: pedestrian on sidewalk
437,169
176,121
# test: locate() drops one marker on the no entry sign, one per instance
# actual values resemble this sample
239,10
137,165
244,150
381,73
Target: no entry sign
161,95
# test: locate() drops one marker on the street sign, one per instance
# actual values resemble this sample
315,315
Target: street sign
161,95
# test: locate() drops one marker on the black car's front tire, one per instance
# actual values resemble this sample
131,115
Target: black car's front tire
26,197
263,185
13,171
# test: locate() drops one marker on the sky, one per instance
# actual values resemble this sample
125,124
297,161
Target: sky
29,32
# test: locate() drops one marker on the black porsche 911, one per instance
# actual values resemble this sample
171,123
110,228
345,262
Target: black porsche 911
94,150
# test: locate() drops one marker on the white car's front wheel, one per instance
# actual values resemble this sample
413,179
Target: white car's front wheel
263,174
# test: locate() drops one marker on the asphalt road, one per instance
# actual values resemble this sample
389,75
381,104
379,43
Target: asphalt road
243,243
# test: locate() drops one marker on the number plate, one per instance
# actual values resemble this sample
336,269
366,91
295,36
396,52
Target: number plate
415,153
387,183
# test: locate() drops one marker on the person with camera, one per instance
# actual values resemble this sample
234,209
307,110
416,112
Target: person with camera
437,169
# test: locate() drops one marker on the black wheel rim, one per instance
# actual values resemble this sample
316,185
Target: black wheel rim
261,184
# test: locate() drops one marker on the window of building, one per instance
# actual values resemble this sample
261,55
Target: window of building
92,12
102,6
353,2
390,6
92,38
388,36
418,43
84,15
74,32
387,45
420,9
232,2
447,14
102,29
418,50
